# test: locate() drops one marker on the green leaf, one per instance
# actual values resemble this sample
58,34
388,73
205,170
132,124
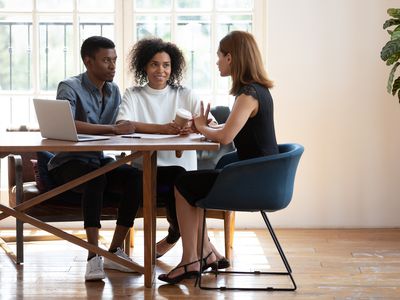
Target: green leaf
391,77
395,34
394,12
391,60
396,86
391,22
391,47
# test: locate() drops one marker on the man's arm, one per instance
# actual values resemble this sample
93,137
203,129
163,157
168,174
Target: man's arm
122,127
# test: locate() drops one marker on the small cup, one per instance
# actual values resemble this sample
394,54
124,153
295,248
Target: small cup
182,117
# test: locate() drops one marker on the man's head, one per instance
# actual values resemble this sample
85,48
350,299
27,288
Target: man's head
99,56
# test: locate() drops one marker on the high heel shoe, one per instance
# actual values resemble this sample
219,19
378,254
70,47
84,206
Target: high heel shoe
213,265
179,278
223,263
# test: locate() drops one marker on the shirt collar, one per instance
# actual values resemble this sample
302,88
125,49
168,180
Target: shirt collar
90,86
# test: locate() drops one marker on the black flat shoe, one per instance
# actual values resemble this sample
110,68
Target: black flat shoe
213,265
179,278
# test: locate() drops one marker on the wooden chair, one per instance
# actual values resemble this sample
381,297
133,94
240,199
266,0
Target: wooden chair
63,208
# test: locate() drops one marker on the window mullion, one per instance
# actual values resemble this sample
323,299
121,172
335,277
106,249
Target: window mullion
76,39
214,45
35,51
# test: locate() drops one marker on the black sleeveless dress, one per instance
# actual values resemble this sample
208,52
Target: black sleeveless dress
255,139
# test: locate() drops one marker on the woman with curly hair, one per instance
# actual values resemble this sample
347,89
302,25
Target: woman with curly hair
151,105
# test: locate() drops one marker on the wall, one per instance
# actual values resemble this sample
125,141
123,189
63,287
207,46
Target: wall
330,96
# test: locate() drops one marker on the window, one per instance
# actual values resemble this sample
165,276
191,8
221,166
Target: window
40,42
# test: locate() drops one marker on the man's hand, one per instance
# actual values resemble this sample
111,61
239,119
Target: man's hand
124,127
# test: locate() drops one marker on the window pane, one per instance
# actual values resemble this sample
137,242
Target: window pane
19,110
54,5
15,54
18,5
200,4
234,4
96,5
159,26
55,48
194,38
164,5
228,23
89,26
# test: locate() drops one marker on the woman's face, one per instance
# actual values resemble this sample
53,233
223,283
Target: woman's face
224,63
158,70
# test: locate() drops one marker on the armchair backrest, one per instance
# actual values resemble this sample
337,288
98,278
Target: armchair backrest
258,184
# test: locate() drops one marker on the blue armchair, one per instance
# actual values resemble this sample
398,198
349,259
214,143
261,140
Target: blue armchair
263,184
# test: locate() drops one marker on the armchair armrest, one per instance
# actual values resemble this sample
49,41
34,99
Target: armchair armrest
15,178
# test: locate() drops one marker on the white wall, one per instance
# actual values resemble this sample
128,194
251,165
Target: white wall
330,96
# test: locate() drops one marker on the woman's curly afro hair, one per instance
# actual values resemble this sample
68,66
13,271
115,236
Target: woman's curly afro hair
144,50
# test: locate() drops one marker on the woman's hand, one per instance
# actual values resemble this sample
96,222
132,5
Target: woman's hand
201,120
170,128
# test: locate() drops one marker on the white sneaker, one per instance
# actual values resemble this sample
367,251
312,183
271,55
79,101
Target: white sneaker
94,269
109,264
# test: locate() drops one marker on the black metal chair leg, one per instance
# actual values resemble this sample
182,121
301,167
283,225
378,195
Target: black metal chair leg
255,273
277,244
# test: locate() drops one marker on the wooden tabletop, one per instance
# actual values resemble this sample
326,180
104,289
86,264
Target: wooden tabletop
32,141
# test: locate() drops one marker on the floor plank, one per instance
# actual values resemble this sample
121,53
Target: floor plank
327,264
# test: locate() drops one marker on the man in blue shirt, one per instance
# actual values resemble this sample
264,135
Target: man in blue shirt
94,99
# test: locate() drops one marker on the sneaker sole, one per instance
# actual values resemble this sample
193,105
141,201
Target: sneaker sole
95,278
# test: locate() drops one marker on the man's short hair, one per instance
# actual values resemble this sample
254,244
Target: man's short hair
93,44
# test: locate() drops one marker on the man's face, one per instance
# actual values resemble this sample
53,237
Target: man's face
102,66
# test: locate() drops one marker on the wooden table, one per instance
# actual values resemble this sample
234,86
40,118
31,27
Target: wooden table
14,142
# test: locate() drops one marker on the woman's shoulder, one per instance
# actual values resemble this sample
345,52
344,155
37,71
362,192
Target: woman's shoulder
249,90
255,90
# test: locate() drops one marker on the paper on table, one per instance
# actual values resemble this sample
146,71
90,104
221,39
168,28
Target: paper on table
149,136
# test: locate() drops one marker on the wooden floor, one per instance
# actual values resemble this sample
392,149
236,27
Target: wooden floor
327,264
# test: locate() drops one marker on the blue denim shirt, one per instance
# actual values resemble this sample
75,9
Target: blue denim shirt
87,106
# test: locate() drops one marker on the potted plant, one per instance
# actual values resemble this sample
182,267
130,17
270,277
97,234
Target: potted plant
391,51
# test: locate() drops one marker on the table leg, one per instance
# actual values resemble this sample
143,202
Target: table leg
149,215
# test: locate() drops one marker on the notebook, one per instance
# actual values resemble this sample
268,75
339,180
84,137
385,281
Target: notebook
56,121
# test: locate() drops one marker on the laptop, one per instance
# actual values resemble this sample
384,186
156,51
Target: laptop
56,121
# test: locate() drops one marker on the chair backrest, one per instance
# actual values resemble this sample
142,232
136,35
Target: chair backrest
258,184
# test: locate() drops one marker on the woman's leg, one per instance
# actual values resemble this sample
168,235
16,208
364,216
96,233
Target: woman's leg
188,219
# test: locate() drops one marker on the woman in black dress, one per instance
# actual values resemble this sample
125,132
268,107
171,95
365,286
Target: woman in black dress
250,125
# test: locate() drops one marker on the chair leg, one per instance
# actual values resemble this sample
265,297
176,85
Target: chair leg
255,273
132,237
277,244
20,241
229,230
127,243
198,279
